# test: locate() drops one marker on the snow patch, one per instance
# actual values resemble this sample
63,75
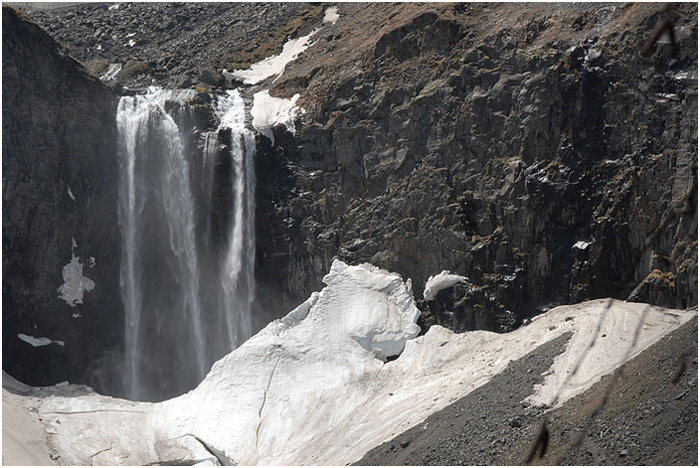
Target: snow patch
112,71
602,341
75,285
70,194
331,15
439,282
581,245
663,97
273,65
690,77
38,341
269,111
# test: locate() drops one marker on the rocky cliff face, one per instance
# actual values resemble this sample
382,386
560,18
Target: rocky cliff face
528,147
59,232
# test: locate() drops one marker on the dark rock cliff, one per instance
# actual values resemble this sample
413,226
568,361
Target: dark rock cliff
528,147
60,235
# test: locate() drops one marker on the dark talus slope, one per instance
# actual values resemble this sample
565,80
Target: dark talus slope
648,419
651,414
59,200
176,44
479,428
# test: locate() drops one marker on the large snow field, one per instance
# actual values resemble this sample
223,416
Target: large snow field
318,387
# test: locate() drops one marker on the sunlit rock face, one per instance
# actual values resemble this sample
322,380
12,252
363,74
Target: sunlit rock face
60,233
526,147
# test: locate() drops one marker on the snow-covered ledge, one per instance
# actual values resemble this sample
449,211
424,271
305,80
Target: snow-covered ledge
268,111
273,65
441,281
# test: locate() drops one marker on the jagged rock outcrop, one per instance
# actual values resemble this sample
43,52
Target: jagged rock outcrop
60,235
465,307
528,147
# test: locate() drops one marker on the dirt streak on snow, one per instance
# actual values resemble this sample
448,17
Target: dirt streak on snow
23,439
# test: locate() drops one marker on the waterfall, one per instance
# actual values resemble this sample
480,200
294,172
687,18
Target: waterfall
188,245
237,270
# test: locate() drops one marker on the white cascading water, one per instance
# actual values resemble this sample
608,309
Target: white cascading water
237,270
187,301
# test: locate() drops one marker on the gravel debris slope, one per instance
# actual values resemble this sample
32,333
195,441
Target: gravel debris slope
647,420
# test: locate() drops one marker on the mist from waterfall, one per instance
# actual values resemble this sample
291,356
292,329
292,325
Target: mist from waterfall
186,214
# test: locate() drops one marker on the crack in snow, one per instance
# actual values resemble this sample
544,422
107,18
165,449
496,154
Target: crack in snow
111,446
262,406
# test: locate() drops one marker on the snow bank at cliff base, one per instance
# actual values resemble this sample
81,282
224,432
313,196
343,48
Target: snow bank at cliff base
316,388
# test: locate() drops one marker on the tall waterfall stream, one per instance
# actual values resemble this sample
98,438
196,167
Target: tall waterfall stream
186,214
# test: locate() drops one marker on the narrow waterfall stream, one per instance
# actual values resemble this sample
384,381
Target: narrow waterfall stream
186,214
237,268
